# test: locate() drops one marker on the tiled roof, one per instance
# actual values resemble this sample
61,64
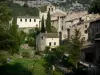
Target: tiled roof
27,16
50,35
58,12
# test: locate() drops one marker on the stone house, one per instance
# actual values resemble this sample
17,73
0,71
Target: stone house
80,24
91,52
97,48
57,17
94,29
28,22
47,39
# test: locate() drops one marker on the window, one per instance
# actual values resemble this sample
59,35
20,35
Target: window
20,20
52,9
42,37
93,33
49,9
54,43
49,43
25,20
36,25
97,30
85,26
62,27
30,20
34,20
85,31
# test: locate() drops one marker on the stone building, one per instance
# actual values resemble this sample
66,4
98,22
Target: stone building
94,29
47,39
28,22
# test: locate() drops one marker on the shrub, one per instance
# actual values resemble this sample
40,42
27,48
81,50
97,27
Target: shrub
31,42
26,54
3,57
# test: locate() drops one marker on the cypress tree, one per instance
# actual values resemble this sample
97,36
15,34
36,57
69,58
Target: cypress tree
15,35
13,28
42,25
48,22
94,7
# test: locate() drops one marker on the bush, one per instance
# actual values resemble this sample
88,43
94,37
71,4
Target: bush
37,52
26,54
3,57
31,42
56,73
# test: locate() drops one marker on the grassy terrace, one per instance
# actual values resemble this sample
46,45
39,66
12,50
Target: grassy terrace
26,66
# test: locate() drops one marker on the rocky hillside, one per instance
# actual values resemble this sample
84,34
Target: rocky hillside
75,5
69,5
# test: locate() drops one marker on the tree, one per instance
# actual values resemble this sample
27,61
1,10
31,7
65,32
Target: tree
13,30
5,12
75,47
48,23
94,7
42,25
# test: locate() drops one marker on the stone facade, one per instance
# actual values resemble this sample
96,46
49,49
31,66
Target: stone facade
26,23
47,39
94,29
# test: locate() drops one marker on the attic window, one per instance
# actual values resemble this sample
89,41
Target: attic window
20,20
30,20
34,20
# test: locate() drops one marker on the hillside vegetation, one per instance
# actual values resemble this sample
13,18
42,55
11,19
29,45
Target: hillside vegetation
22,10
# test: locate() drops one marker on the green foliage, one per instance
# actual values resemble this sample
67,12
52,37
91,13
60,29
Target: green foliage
32,36
14,69
47,49
42,25
13,28
3,57
25,5
26,54
94,7
75,47
31,42
48,23
18,10
15,35
5,13
22,38
55,55
43,8
55,72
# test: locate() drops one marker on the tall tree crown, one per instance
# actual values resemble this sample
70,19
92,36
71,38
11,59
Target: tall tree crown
42,25
48,22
